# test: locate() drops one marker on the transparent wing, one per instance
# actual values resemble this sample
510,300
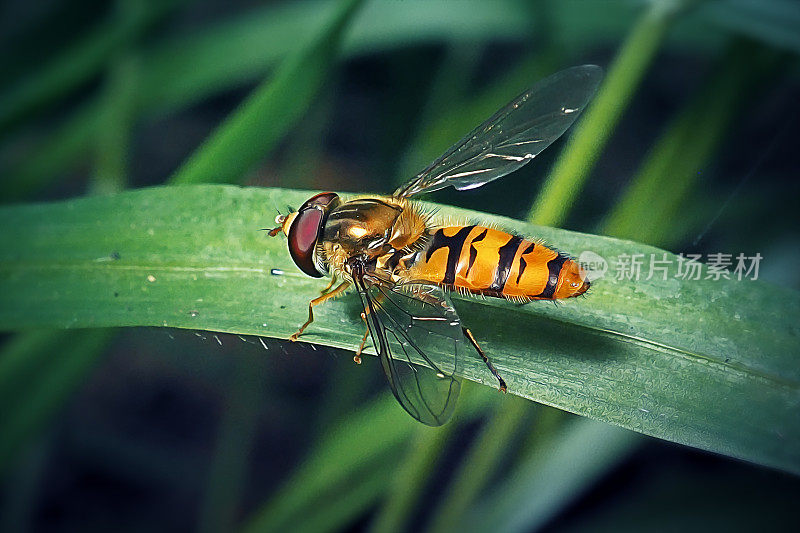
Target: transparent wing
512,136
408,323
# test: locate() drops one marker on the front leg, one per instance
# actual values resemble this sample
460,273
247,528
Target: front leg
316,301
326,289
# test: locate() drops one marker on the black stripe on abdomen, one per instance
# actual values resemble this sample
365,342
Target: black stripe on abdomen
473,252
554,269
503,270
454,245
522,262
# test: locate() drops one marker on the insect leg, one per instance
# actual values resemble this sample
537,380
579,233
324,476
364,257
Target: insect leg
357,356
326,289
316,301
486,360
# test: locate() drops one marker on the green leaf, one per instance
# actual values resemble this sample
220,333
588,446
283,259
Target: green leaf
707,363
236,437
262,120
547,481
773,22
591,134
363,440
182,70
480,463
33,402
411,476
188,68
113,144
72,66
353,452
658,193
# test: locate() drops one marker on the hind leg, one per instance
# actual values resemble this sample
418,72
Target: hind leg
357,356
486,360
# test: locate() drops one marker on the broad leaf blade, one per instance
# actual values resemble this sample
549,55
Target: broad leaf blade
707,363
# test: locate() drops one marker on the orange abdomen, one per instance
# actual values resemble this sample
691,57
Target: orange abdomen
491,262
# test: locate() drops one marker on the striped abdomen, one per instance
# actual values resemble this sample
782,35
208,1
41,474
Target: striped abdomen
491,262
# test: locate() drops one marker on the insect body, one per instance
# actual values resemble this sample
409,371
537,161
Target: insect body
402,261
490,262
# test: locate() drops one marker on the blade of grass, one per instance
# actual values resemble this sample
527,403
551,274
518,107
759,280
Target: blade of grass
595,128
179,72
22,357
115,127
408,481
412,475
773,22
78,63
245,136
337,511
70,360
193,257
355,452
555,475
480,463
672,168
235,439
362,439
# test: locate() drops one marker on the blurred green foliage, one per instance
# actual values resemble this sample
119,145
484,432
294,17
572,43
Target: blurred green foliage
121,97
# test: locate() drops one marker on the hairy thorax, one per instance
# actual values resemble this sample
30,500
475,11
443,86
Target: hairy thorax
385,231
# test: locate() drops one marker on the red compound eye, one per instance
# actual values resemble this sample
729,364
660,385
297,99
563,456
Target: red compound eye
303,238
323,200
306,230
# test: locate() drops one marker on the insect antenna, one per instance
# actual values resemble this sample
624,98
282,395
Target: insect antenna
275,206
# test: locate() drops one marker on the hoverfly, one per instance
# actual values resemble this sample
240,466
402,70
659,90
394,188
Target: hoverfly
403,261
